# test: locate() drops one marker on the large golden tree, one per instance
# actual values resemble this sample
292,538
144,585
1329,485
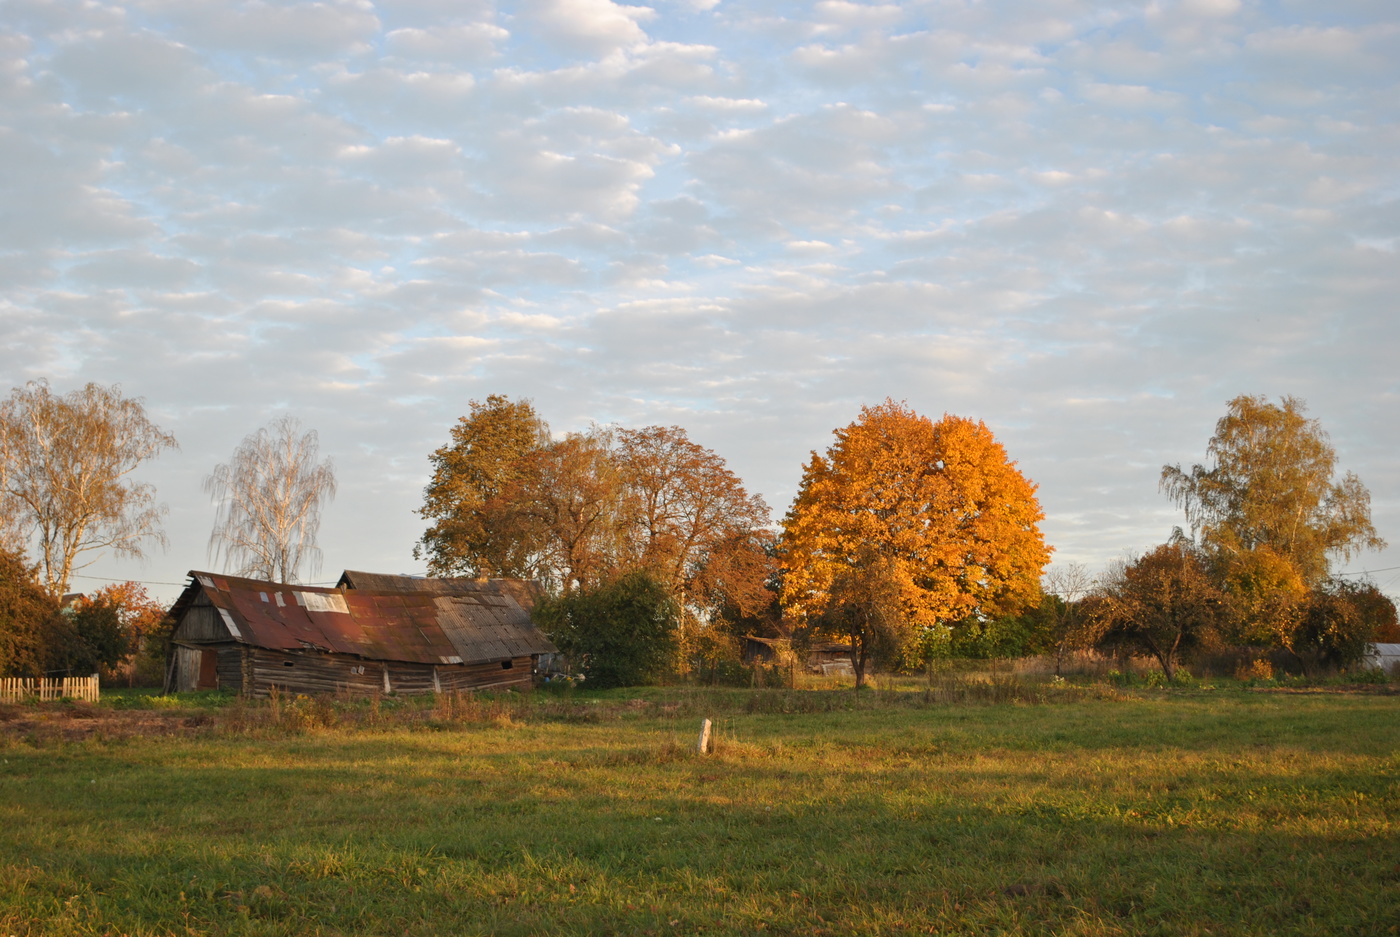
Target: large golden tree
905,525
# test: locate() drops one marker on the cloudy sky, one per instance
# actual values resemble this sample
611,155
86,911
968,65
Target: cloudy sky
1088,224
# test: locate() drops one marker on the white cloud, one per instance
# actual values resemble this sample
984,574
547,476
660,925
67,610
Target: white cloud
292,30
744,105
1211,8
406,159
1090,225
1132,97
849,14
136,68
466,43
587,27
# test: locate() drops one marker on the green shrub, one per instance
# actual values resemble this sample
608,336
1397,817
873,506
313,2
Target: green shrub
622,633
1336,626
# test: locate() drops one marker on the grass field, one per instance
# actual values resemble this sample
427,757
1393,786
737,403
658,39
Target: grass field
1088,811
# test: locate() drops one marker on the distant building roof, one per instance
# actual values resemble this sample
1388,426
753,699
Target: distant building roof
526,592
424,626
1384,656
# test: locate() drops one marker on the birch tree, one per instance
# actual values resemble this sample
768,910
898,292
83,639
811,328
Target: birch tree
269,498
1270,486
65,466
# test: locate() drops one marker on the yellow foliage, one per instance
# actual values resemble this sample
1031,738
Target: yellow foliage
938,507
1267,594
1255,670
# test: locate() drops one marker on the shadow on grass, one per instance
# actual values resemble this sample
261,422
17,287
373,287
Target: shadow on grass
848,863
875,825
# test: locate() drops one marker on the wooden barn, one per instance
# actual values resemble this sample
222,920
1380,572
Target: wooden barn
370,634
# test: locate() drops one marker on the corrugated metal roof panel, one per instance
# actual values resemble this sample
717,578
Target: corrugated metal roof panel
490,632
525,592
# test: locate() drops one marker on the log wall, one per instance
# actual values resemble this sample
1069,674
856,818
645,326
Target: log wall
319,672
230,668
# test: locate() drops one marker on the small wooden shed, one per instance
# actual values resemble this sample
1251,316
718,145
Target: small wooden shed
248,636
762,650
832,659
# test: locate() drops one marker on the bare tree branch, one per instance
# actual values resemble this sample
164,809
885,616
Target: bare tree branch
269,498
64,464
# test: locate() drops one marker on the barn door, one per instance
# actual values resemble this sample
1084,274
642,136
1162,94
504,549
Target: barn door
208,669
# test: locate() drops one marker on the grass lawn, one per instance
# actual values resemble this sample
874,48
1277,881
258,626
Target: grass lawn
1145,812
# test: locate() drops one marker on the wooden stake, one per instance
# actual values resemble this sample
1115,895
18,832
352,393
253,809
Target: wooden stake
704,745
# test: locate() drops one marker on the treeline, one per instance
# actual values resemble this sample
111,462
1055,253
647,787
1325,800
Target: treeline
910,540
1248,585
1254,571
659,560
66,493
118,632
67,496
653,551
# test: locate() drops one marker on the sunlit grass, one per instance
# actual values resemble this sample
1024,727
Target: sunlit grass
1093,813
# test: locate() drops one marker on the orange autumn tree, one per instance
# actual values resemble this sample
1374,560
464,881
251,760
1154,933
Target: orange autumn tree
906,526
119,630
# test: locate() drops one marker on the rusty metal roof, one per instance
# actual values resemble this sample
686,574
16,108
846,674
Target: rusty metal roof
526,592
423,627
494,623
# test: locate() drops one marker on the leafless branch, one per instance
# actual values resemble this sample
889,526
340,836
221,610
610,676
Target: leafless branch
269,498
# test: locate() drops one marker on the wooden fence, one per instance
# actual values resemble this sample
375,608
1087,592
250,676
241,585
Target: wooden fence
14,689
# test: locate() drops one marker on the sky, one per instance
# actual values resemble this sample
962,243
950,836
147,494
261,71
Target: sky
1090,225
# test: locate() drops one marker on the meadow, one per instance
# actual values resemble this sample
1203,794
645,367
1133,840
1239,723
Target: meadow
962,808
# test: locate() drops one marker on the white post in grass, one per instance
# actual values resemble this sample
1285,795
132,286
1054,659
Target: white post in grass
704,745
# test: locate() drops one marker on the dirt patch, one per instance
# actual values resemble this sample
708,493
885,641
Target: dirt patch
74,722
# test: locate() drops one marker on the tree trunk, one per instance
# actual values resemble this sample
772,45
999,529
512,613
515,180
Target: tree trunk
858,658
1164,657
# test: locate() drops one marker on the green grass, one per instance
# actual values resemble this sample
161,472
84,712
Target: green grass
1099,812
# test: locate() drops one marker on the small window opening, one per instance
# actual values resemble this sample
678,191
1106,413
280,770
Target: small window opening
507,664
288,663
264,596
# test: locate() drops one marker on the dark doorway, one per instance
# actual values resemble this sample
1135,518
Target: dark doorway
208,670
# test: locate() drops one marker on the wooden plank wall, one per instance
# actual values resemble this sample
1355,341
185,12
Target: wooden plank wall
318,672
201,623
186,668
